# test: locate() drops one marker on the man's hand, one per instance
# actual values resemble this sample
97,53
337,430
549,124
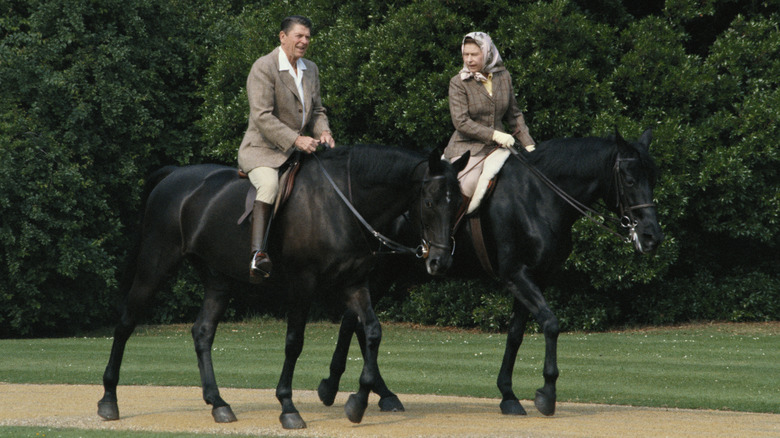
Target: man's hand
306,144
326,138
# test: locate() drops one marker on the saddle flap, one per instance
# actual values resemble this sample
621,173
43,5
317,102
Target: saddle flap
286,184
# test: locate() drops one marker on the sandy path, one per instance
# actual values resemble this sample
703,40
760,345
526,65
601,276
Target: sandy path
180,409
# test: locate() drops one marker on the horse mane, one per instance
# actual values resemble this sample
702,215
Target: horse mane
573,156
580,156
376,164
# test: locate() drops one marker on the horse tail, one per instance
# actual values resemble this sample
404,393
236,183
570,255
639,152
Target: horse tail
131,263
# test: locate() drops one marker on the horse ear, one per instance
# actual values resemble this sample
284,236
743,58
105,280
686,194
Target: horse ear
646,138
618,138
434,162
461,162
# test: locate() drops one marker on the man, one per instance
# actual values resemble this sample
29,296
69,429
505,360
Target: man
284,105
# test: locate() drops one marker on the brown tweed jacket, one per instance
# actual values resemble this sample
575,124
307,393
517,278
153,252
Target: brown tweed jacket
476,114
275,112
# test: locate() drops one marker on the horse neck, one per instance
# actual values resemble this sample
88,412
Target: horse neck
382,193
581,167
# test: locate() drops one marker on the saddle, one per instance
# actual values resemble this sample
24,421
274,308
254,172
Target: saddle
287,174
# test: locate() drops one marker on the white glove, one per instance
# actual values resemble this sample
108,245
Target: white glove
503,139
530,148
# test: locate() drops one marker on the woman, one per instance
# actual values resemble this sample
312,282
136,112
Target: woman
483,110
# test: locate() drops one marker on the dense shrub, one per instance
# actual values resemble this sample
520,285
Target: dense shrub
95,94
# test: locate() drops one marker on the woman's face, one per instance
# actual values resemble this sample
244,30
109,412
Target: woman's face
473,57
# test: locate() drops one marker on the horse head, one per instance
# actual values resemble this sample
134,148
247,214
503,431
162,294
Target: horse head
435,212
635,176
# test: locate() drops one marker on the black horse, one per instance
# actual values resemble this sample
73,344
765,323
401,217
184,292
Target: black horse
527,232
191,212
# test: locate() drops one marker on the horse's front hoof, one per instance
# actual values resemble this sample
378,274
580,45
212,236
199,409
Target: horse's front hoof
108,410
545,403
223,414
355,409
327,395
391,404
512,407
292,420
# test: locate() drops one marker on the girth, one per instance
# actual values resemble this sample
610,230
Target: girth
477,237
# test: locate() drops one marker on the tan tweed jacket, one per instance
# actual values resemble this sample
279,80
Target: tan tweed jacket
476,114
275,112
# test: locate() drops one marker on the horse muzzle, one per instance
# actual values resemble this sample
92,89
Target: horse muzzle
438,257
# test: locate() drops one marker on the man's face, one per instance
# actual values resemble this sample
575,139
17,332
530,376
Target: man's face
296,41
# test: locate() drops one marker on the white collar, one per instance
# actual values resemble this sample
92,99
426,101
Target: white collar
284,63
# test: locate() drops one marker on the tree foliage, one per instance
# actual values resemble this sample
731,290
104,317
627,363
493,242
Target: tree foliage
95,94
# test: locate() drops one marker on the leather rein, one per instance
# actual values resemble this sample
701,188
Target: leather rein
626,220
421,251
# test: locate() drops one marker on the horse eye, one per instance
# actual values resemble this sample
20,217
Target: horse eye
630,182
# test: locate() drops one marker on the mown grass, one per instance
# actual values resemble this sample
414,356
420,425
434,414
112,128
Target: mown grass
713,366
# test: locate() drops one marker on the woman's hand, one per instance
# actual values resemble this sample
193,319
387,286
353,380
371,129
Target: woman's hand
503,139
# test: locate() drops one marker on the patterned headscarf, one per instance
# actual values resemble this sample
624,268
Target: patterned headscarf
490,56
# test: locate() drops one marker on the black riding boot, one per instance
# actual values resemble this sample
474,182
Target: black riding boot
261,221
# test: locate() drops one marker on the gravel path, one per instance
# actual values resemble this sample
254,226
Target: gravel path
180,409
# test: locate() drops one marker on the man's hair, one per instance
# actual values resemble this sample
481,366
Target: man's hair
292,20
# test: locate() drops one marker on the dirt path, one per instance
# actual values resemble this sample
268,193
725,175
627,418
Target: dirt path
180,409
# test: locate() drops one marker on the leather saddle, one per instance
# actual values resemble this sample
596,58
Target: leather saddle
287,174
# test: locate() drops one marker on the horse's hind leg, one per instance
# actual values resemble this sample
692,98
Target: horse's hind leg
151,270
214,304
510,404
388,401
338,363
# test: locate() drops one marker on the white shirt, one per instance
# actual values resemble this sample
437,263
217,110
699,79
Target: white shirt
284,64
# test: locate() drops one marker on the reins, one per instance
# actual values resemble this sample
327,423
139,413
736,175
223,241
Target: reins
395,248
627,218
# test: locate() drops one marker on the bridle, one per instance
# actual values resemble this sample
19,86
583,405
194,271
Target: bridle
626,220
421,251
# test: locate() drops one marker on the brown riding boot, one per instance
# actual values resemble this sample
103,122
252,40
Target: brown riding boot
261,221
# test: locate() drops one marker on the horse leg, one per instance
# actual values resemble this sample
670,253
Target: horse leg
530,296
510,404
338,363
360,302
296,325
215,302
148,276
388,401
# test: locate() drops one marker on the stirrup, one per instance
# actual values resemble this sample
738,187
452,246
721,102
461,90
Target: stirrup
260,266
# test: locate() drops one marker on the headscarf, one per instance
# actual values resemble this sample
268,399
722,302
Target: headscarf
492,60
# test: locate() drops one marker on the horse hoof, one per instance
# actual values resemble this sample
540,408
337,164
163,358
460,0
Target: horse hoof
108,410
512,407
327,396
355,409
292,420
544,403
391,404
223,414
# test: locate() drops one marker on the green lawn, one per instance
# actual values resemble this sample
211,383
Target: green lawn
714,366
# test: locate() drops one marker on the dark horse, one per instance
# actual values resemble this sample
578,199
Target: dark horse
527,233
191,212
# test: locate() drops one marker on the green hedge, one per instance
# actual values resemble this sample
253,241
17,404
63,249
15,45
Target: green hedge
96,94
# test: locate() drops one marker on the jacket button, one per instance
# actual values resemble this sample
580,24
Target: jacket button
300,110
